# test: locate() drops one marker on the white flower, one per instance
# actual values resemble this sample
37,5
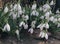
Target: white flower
40,8
11,6
46,36
46,25
26,26
55,20
6,27
22,24
15,7
31,30
47,14
19,7
57,11
20,13
33,24
14,15
42,34
17,33
41,26
59,19
26,17
34,13
58,25
6,9
42,17
34,6
52,3
46,6
51,18
50,12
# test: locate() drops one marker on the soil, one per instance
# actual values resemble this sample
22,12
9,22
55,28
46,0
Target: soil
28,40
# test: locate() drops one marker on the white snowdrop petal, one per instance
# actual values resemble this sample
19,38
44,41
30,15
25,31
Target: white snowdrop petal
6,27
52,3
26,26
31,30
46,36
22,24
6,9
47,26
34,6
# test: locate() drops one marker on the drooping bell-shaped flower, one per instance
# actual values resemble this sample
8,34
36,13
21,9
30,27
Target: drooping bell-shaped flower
31,30
46,25
41,26
26,17
25,26
21,24
19,7
51,18
6,27
46,6
14,15
57,11
35,13
52,3
6,9
40,8
34,6
17,33
55,20
15,7
46,36
42,17
59,19
42,34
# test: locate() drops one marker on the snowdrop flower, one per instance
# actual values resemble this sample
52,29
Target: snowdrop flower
34,13
11,6
41,26
55,20
42,34
46,25
22,24
26,17
52,3
33,24
26,26
47,14
20,13
31,30
6,9
46,36
40,8
51,18
58,25
17,33
46,6
6,27
15,7
59,19
50,12
19,7
34,6
57,11
14,15
42,17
